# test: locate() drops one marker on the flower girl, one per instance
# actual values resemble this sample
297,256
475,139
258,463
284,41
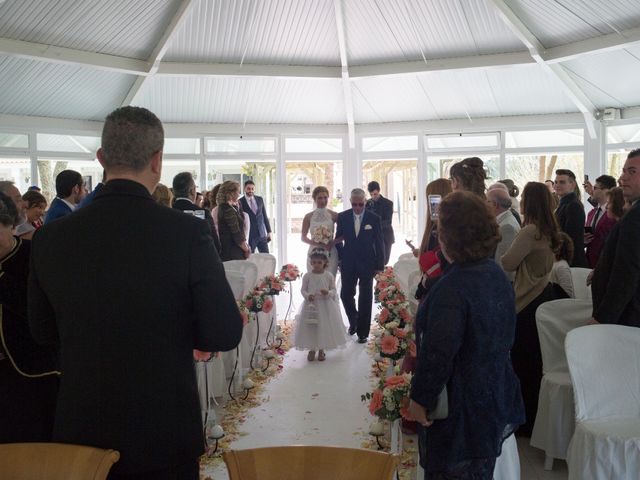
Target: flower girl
319,322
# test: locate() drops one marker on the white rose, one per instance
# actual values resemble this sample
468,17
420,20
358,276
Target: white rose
391,325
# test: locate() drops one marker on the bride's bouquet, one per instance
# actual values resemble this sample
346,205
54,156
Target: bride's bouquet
322,234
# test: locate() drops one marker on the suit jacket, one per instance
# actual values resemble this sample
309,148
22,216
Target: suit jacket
366,251
128,288
570,215
602,230
57,209
231,230
260,226
187,205
616,279
90,196
383,207
509,228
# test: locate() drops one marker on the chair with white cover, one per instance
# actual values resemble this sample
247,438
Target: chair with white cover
508,463
266,264
604,363
579,278
555,422
403,269
407,256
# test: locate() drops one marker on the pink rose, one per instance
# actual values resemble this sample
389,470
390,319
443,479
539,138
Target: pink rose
267,305
384,315
400,333
389,344
249,303
376,401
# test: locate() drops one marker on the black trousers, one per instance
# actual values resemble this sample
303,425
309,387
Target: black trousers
359,318
186,471
259,243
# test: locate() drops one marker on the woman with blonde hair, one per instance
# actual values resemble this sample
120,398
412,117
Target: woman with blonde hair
231,228
163,195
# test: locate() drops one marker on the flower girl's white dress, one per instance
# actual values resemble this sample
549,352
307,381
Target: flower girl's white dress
319,323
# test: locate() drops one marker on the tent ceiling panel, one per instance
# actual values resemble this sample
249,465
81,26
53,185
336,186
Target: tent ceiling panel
275,32
243,100
44,89
118,27
560,22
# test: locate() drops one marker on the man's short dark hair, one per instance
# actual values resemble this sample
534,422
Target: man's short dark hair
249,182
182,185
373,186
567,172
65,181
130,137
607,181
8,211
634,153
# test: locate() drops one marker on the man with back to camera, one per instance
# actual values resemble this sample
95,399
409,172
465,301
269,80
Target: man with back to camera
361,256
383,207
615,286
570,214
260,231
139,288
70,190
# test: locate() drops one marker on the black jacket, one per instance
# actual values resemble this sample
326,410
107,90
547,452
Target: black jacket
231,230
616,279
183,205
383,207
364,252
571,217
260,226
128,288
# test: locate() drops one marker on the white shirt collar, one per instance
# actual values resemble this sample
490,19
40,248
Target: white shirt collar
69,204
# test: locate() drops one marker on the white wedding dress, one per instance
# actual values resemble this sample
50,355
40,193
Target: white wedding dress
319,218
321,326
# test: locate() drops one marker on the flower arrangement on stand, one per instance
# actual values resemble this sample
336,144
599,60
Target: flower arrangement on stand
272,284
289,273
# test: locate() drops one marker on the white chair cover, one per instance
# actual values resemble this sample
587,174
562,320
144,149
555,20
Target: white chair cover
579,278
508,463
555,423
604,362
403,269
266,264
406,256
249,271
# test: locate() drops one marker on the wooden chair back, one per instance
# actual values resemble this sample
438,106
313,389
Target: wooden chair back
310,463
54,461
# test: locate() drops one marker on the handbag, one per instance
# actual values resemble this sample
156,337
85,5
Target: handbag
442,407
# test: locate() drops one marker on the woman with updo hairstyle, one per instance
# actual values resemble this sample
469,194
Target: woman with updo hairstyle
231,223
469,328
469,175
531,257
162,195
318,228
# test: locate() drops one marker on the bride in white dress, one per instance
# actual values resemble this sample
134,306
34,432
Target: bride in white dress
318,228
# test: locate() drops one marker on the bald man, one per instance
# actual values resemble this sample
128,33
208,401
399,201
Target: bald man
500,201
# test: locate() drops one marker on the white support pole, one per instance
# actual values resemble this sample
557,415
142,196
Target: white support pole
423,180
281,205
595,152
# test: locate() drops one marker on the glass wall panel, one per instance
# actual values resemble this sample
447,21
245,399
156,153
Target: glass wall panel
48,170
545,138
461,141
390,144
313,145
615,161
181,145
438,166
170,168
68,143
241,145
542,166
14,140
18,171
623,133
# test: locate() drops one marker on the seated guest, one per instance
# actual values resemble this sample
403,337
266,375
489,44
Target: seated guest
36,204
162,195
561,272
570,214
616,279
598,224
70,191
469,329
531,256
28,376
500,203
231,223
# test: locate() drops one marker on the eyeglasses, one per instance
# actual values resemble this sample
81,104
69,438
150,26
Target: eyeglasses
357,204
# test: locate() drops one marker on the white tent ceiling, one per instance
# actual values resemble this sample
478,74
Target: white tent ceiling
318,61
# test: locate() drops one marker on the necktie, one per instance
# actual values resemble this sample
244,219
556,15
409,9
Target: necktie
596,217
254,206
357,224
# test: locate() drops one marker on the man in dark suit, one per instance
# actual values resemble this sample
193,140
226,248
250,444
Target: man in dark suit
616,279
260,231
383,207
570,214
597,219
128,289
184,189
361,256
70,190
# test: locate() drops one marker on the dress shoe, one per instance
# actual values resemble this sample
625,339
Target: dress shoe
352,330
362,339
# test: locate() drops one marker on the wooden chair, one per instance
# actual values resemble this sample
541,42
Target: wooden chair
55,461
310,463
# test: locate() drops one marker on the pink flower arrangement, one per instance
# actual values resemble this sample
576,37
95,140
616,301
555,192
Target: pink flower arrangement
390,399
272,284
389,344
267,306
257,301
289,272
200,356
384,315
376,401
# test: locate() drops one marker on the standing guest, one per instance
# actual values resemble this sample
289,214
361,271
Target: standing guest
28,376
318,222
184,187
551,184
199,200
469,330
383,207
35,205
361,256
126,344
616,204
598,222
89,198
9,189
570,214
514,191
70,190
514,212
231,223
469,175
500,203
162,195
531,257
260,230
616,278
